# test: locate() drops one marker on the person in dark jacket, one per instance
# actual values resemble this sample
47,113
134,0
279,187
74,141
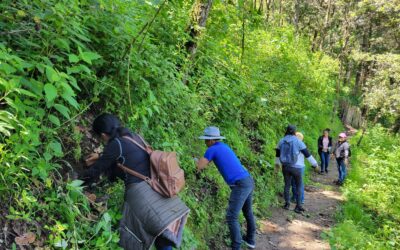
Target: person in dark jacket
135,233
324,149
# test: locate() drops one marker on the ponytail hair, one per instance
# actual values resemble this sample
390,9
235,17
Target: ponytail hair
109,124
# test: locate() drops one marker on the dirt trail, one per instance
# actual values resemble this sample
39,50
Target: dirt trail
287,230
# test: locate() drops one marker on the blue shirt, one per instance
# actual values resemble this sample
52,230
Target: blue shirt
227,162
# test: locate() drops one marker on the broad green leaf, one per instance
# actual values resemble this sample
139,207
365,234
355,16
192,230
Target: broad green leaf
6,68
71,100
62,109
62,44
52,75
75,183
54,119
56,148
50,92
89,56
73,58
26,92
78,69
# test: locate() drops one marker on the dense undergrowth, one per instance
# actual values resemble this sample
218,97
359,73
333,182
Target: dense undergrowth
370,217
62,62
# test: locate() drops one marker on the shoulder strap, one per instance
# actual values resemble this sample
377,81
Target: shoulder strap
144,142
134,173
136,143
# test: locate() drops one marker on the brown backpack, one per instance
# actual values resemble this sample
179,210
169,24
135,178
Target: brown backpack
167,178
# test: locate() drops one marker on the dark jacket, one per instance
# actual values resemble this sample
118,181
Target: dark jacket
320,145
123,151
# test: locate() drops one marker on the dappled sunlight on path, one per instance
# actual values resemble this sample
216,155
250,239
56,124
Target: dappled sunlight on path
287,230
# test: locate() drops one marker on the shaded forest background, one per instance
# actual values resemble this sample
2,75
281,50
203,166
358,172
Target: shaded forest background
170,68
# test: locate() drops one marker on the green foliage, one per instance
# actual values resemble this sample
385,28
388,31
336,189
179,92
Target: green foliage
370,217
73,65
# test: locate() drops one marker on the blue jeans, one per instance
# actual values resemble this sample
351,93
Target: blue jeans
241,199
294,189
324,161
341,169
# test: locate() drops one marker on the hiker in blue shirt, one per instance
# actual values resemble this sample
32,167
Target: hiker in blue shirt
240,182
287,155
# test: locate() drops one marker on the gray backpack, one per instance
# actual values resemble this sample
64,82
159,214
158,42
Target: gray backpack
289,154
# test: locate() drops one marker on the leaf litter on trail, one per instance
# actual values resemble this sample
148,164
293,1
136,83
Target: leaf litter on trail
25,239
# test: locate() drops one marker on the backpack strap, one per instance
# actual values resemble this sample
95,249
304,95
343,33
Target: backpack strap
134,173
136,143
131,171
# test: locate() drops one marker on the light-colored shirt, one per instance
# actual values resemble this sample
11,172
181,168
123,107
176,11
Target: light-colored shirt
325,144
342,147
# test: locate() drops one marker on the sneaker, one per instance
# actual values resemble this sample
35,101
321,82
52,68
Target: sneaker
248,244
286,206
321,172
326,171
299,210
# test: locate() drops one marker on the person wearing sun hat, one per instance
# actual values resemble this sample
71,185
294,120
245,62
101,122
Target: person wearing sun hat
341,153
240,182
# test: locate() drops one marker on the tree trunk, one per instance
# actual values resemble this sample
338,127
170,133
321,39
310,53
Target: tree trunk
243,30
326,23
200,14
280,13
296,15
363,67
268,8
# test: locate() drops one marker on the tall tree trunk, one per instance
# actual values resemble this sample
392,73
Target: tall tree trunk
200,14
280,12
296,15
314,41
243,29
326,24
268,9
261,7
363,66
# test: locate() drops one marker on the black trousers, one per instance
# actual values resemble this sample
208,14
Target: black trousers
289,173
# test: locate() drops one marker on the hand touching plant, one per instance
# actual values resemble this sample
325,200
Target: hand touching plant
91,159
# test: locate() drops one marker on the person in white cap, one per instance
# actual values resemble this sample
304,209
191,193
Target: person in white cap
341,152
240,182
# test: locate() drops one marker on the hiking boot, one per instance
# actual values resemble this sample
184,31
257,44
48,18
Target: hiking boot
249,244
299,210
286,206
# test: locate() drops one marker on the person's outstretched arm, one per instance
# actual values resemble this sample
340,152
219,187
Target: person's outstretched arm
105,161
202,163
309,157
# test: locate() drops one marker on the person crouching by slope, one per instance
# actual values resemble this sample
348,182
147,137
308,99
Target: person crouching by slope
240,182
287,154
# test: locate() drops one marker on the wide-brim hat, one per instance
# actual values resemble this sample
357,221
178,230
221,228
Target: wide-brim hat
211,133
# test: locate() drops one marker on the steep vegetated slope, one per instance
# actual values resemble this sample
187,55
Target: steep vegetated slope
63,62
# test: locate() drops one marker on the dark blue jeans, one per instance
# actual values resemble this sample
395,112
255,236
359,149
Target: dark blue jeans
288,174
241,199
294,188
324,161
341,169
